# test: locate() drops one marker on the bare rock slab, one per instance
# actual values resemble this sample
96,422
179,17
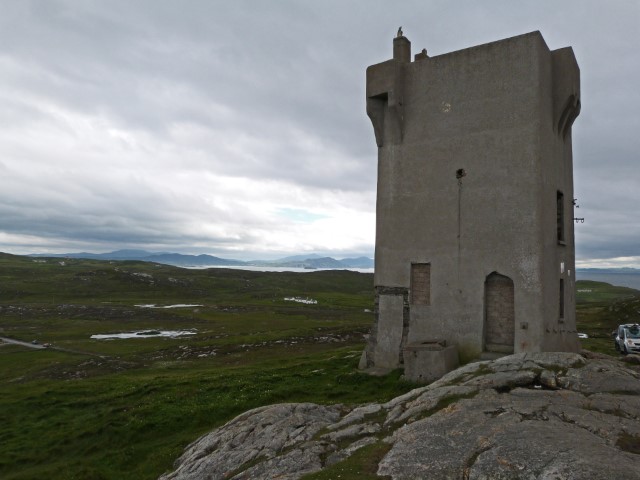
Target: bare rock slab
535,416
255,442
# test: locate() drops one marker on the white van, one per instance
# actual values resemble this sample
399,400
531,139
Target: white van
627,339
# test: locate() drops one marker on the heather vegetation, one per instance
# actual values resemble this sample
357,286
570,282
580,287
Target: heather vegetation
87,408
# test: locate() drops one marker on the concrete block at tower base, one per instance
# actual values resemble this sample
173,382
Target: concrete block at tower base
426,362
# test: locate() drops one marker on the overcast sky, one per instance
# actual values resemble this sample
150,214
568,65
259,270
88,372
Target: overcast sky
238,128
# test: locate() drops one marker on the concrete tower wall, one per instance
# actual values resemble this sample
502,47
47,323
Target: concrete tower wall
471,156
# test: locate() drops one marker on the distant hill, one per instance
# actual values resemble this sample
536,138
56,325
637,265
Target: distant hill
175,259
622,276
179,260
360,262
116,255
310,261
298,258
319,262
316,261
633,271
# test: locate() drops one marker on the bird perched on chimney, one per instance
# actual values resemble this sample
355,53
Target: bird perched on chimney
400,34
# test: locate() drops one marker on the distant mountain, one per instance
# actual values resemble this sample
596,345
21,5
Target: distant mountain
298,258
123,255
629,270
116,255
180,260
360,262
176,259
313,262
310,261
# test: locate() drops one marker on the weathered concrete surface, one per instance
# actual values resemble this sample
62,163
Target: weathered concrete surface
539,416
475,190
387,350
428,361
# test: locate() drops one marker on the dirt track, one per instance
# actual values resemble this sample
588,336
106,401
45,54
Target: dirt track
20,342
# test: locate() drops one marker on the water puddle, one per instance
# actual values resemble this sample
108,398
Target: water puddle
307,301
145,334
177,305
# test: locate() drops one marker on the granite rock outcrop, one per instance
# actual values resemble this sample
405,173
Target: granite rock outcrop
524,416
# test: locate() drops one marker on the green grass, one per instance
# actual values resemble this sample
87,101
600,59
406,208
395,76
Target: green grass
362,465
135,425
600,308
125,409
591,292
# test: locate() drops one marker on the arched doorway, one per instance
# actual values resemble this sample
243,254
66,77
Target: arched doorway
499,314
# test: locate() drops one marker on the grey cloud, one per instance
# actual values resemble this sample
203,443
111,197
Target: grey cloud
269,75
272,92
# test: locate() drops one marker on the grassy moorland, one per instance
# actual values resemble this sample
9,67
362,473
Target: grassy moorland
125,408
600,308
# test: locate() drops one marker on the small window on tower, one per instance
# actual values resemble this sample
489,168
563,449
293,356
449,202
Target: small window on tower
560,216
421,283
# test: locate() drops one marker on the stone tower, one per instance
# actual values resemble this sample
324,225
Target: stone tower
474,235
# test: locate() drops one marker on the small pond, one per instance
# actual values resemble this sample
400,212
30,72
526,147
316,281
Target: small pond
177,305
144,334
308,301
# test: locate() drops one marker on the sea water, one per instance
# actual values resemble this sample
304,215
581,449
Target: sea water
631,280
